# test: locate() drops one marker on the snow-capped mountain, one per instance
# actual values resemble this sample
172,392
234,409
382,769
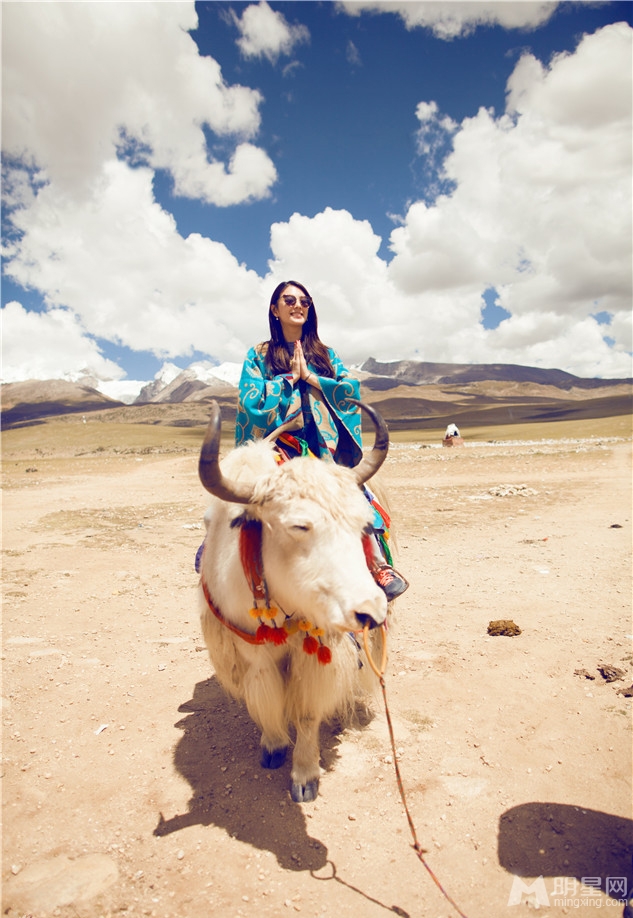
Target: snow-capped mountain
169,380
183,385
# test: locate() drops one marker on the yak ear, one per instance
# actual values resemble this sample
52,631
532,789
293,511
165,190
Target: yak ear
209,466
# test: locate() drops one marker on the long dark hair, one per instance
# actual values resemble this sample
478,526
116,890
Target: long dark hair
316,353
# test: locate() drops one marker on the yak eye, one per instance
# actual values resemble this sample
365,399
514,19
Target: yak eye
301,527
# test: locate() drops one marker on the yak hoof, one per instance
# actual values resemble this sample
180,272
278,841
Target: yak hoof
304,793
273,758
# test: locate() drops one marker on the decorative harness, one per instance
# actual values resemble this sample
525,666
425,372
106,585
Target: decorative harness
250,546
268,631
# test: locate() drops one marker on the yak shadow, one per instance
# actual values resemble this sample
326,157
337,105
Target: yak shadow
218,754
559,840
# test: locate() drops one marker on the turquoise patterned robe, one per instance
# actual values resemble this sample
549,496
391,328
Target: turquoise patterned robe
325,418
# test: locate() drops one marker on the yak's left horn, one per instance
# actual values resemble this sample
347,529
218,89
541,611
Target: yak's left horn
209,467
370,464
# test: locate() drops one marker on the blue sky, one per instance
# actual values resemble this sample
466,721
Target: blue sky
451,181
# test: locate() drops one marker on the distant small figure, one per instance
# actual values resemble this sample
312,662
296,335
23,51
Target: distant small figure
452,437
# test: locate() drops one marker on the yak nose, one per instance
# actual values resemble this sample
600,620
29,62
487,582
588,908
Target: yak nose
372,613
364,619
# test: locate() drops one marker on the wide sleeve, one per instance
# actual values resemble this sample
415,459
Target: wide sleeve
262,402
337,393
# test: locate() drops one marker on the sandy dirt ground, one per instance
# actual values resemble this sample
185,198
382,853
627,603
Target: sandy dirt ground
131,785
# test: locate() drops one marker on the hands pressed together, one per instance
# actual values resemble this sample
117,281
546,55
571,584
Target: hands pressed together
299,367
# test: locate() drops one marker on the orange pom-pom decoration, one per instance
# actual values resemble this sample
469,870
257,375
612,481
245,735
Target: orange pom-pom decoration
324,654
270,612
304,624
254,612
310,644
317,632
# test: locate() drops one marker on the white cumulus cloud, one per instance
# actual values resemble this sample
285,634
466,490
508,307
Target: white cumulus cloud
265,32
83,80
541,209
456,19
118,262
35,345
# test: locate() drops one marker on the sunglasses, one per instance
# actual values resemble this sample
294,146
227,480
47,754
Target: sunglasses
290,300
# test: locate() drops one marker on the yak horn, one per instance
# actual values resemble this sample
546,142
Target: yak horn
240,493
370,464
209,468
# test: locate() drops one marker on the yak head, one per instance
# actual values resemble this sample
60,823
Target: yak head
315,521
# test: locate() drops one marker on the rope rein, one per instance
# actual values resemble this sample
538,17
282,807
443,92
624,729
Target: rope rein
380,672
250,552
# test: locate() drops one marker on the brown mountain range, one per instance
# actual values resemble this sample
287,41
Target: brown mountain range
410,395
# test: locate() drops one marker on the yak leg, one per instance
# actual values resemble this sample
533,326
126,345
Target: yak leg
264,696
305,761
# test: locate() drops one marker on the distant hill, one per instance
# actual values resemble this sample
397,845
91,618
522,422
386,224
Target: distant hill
490,403
29,401
418,373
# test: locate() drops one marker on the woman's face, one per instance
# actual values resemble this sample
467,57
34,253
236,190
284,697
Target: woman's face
292,311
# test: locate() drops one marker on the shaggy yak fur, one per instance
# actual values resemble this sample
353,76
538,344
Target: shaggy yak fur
313,516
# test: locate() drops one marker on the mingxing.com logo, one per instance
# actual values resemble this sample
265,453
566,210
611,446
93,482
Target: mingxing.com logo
568,891
535,892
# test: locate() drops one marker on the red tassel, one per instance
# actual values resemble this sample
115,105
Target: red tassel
279,636
310,644
324,654
263,634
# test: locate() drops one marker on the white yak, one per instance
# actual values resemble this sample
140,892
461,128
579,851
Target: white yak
284,585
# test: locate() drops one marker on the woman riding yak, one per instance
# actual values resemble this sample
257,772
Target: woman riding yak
294,382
